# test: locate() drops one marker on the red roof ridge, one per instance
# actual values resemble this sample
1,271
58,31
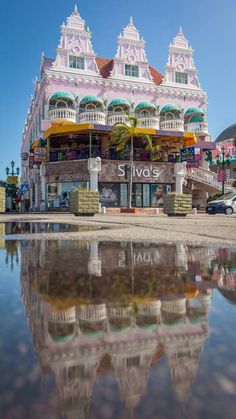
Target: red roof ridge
105,66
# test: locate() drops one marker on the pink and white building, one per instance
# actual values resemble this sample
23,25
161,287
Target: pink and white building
78,87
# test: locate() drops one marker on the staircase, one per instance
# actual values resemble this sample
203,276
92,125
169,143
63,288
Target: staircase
209,178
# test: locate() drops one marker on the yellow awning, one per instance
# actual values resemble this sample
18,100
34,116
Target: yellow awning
67,129
35,143
188,138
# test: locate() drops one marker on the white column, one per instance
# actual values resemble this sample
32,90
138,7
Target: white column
180,174
36,188
95,263
43,187
181,260
94,167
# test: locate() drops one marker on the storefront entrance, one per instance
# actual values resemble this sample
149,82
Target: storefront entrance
144,195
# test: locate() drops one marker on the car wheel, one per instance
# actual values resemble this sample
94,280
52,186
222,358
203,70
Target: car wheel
229,211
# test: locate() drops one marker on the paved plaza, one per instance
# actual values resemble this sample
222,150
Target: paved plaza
199,229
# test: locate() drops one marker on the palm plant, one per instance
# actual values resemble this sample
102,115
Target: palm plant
123,134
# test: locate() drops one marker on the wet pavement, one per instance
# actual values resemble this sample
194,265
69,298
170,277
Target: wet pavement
116,330
200,229
26,227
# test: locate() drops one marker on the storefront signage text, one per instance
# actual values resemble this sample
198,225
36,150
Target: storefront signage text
187,155
147,172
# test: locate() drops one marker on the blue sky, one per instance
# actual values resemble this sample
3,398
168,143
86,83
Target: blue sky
29,27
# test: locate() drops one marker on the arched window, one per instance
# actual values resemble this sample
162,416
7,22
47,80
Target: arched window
61,104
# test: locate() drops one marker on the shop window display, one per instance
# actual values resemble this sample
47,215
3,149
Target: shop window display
157,193
109,194
59,193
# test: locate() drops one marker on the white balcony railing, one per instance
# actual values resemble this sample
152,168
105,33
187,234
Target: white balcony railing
119,312
201,127
172,125
150,309
67,316
208,178
93,313
117,119
65,114
175,305
92,117
148,122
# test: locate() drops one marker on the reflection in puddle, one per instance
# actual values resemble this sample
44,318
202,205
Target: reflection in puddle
124,327
42,227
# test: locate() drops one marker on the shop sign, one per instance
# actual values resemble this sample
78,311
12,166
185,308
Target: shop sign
187,154
12,180
37,156
139,172
40,154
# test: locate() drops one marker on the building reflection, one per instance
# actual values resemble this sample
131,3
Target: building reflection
115,309
12,253
2,233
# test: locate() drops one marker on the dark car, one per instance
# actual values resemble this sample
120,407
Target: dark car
223,205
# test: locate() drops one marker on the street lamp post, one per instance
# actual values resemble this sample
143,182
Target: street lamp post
13,173
222,160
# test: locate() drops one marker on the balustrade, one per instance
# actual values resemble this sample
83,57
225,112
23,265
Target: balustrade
201,127
148,122
92,117
119,312
150,309
172,125
209,178
175,306
116,118
62,114
93,312
67,316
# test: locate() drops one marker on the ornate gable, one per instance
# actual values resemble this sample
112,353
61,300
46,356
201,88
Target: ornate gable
131,52
180,68
75,51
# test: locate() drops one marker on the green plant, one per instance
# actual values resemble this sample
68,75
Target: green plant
123,134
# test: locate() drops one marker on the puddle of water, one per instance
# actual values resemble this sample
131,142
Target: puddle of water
115,330
10,228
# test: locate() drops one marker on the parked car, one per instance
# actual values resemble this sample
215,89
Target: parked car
225,204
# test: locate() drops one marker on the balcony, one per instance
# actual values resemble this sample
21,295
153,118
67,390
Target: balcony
93,313
172,125
148,122
119,312
92,117
64,114
200,128
117,118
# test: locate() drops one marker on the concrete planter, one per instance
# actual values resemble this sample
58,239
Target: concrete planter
84,202
2,199
177,204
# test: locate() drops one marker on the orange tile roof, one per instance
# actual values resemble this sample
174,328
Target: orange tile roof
105,66
157,77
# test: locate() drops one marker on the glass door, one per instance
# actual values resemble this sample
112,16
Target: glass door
138,195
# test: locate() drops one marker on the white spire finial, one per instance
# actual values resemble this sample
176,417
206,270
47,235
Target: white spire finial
75,10
131,20
180,29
